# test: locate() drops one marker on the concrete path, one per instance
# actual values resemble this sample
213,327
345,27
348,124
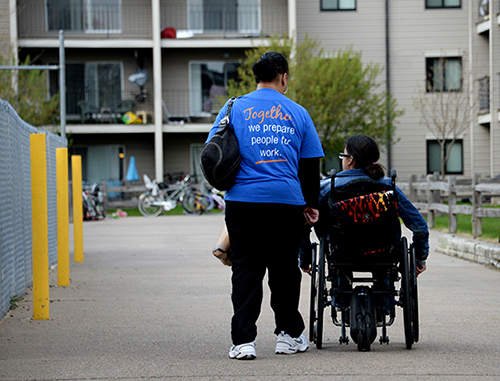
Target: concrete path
151,302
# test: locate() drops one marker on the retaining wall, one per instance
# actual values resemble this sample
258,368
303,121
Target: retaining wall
470,249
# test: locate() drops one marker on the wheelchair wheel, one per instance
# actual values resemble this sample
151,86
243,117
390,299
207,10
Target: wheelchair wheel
314,293
407,297
321,286
414,293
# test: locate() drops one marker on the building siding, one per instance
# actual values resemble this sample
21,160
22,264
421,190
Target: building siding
416,33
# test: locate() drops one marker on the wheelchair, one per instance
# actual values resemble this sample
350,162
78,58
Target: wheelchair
369,266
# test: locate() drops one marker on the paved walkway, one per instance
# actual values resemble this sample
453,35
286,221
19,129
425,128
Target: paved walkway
150,302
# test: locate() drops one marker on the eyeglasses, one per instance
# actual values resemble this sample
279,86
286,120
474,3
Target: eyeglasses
342,155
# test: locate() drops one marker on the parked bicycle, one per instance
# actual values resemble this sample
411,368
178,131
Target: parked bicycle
161,197
92,200
217,197
200,202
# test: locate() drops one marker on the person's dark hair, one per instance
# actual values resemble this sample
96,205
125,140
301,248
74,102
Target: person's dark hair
269,66
365,153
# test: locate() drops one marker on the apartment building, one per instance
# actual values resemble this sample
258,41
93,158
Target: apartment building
180,55
169,60
408,38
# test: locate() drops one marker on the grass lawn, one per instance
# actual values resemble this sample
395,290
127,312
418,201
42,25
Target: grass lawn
491,226
134,212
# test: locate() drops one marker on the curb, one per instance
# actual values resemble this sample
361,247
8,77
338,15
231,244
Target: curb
470,249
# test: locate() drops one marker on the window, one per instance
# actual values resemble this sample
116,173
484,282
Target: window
103,84
241,16
101,163
208,86
90,16
97,83
444,74
442,3
454,165
338,5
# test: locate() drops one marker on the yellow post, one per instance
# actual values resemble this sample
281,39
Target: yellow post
76,169
40,230
62,217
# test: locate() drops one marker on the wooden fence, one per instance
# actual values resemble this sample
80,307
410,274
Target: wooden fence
429,196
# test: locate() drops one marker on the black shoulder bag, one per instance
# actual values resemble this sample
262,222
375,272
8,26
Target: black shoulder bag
220,158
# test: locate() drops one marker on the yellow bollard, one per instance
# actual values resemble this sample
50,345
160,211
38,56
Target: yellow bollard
76,169
38,152
62,217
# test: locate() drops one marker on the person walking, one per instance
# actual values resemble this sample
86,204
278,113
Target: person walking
274,197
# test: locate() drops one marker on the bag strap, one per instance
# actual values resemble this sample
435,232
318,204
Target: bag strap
224,122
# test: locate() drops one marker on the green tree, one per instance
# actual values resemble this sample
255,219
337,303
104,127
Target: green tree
342,95
31,98
246,81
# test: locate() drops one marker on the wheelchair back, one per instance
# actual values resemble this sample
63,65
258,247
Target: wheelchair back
365,227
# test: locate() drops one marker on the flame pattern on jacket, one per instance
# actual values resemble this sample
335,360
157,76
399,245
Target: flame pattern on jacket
363,209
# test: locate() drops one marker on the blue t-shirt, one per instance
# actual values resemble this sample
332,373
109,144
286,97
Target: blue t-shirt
273,133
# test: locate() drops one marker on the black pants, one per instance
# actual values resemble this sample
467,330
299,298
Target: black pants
264,236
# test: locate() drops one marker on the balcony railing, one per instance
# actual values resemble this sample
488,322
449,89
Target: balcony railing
107,108
37,20
77,18
190,105
484,95
252,18
213,19
178,105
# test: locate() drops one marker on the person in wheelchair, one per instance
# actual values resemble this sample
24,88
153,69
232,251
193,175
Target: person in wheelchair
359,162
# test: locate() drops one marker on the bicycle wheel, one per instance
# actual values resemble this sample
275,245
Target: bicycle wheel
189,203
321,286
195,203
149,205
406,295
203,202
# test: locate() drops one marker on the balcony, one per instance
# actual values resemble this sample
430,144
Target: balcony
484,95
484,115
484,21
81,20
226,18
98,20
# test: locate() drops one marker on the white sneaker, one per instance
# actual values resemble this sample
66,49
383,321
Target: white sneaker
289,345
243,351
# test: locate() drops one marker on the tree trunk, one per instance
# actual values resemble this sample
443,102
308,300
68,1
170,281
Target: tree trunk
443,160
